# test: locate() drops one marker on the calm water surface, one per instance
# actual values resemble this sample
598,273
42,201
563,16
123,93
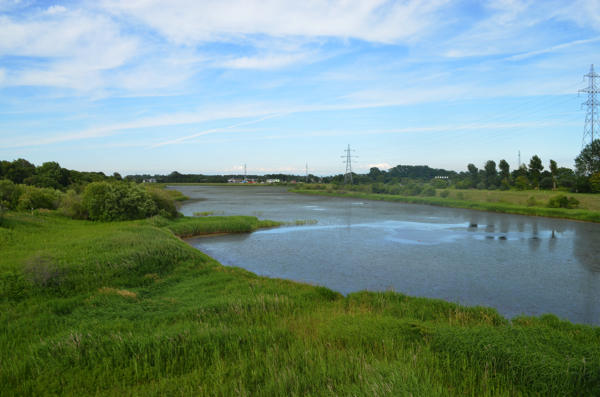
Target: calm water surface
514,263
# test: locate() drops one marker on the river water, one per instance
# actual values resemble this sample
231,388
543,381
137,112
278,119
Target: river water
516,264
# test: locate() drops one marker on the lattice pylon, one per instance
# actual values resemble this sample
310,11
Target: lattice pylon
348,161
592,120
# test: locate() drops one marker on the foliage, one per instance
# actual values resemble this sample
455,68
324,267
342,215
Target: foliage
440,184
429,191
36,198
504,170
535,167
123,201
444,193
588,161
522,182
491,173
547,183
492,187
554,171
477,203
142,313
532,202
561,201
72,206
9,194
595,182
504,185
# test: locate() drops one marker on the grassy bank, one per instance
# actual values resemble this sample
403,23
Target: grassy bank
479,200
127,308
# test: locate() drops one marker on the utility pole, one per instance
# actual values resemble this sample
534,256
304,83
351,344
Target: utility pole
306,172
591,118
348,161
245,175
519,159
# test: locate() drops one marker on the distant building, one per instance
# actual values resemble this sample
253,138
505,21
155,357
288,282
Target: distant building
272,180
149,180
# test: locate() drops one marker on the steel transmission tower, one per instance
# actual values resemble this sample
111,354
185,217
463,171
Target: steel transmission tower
348,161
306,172
592,122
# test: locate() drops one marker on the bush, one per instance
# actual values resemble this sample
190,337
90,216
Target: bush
411,189
440,184
37,198
460,195
532,202
505,185
445,193
72,206
9,194
562,201
122,201
41,271
429,191
481,186
492,187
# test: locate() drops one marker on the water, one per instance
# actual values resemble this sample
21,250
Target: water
517,264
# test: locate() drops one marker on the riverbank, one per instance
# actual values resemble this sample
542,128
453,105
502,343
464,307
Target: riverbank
127,308
468,201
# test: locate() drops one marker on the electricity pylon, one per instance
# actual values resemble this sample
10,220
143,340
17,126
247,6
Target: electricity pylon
592,122
348,161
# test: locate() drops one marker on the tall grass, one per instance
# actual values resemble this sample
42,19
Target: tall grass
139,312
508,208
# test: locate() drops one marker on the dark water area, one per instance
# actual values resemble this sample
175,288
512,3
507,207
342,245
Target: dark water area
516,264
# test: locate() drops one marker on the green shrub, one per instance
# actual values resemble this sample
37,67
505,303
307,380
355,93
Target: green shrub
429,191
36,198
532,202
122,201
445,193
72,206
562,201
10,193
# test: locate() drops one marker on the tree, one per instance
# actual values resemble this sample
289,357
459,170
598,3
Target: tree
588,161
535,167
554,171
474,174
504,170
490,173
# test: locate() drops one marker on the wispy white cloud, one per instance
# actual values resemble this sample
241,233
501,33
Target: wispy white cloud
189,22
555,48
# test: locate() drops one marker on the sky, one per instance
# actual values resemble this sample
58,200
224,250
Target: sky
208,86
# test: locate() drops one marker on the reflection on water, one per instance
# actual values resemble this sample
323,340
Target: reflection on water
514,263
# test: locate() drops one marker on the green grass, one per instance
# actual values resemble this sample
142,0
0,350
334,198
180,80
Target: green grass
130,309
473,201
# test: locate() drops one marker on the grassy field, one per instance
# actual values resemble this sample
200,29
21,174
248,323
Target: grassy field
127,308
510,202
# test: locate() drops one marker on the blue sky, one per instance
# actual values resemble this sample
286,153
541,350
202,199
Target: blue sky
147,86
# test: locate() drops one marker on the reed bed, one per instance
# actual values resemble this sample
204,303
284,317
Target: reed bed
455,202
129,309
208,213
